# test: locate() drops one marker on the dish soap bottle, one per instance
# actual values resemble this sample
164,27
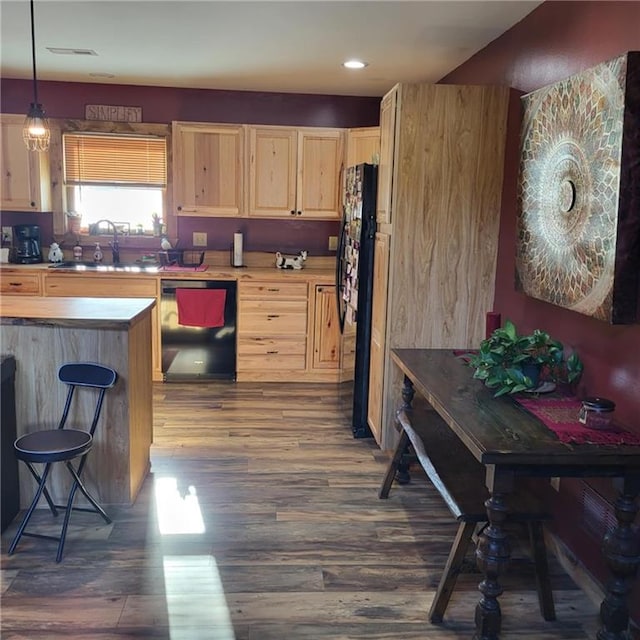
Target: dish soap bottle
77,250
97,254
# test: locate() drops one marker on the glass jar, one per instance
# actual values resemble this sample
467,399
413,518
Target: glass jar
596,413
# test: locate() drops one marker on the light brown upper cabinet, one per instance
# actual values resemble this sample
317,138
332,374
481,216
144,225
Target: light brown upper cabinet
363,145
295,172
387,146
25,179
208,169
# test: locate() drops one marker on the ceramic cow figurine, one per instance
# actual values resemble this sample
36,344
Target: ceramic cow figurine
296,262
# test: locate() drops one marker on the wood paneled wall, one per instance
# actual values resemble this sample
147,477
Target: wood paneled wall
448,169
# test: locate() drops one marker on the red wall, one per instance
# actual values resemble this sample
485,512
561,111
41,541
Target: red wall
163,104
557,40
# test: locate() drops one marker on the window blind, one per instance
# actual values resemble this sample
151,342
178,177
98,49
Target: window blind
115,160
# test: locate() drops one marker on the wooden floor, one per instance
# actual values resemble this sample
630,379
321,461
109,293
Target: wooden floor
260,521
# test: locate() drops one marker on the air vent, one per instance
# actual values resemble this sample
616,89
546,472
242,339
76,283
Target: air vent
72,52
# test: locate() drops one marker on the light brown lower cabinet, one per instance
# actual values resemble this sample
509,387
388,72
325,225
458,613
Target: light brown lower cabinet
126,286
326,329
378,329
287,332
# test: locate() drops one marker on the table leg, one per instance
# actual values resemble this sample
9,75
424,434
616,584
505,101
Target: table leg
408,392
622,553
492,557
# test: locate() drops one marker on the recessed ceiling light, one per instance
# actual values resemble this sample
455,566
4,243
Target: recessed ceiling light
355,64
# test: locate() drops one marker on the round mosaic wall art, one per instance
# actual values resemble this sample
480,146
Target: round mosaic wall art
568,190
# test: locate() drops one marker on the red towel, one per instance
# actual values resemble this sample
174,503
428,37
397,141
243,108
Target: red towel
201,307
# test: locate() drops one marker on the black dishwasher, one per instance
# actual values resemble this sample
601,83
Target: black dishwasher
194,352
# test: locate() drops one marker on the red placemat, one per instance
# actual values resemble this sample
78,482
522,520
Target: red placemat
560,414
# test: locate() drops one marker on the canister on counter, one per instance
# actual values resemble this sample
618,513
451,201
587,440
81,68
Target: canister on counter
596,413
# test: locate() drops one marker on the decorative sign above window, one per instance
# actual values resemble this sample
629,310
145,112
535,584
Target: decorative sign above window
578,228
112,113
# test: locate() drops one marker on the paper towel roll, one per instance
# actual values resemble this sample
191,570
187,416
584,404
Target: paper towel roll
237,249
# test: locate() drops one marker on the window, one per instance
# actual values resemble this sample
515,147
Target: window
122,178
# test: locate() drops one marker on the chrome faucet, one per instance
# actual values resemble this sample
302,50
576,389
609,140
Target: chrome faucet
115,247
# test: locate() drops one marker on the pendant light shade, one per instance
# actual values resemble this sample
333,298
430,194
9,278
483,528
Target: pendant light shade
36,133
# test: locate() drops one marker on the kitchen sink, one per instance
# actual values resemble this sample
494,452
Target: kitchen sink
96,267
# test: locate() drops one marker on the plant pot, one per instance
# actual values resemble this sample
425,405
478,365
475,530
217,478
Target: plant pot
532,370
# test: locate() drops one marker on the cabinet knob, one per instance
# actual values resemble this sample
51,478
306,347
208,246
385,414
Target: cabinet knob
33,204
292,212
179,207
299,213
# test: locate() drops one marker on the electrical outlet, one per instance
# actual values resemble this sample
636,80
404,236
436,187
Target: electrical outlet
199,239
333,243
6,234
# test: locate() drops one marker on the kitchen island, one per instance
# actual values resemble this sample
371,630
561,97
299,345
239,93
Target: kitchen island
44,333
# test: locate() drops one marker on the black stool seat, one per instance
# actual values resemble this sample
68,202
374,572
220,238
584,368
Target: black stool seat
53,445
67,445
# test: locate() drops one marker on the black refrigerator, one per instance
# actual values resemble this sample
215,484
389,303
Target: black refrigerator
354,280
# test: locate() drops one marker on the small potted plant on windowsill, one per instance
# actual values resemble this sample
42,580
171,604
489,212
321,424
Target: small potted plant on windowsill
511,363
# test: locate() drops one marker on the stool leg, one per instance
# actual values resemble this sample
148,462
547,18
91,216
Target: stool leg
451,571
34,473
77,484
541,564
32,506
395,463
96,507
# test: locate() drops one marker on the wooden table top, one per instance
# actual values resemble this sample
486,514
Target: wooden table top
70,311
498,430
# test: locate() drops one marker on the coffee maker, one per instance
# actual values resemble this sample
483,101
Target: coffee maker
27,248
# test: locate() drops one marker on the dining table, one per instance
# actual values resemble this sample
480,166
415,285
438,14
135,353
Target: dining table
514,441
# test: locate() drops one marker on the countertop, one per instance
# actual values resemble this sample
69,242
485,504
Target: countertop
321,273
82,312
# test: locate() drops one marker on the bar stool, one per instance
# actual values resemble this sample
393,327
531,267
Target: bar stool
65,445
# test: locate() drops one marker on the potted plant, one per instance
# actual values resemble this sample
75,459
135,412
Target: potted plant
510,363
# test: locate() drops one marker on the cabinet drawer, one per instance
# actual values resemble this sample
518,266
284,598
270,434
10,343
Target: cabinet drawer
272,316
270,362
100,286
272,322
22,284
272,290
265,346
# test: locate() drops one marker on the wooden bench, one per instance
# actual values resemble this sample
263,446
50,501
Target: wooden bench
460,480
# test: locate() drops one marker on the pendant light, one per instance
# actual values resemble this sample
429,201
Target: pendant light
36,131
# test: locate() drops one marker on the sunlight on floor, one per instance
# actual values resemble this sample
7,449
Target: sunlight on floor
178,512
204,608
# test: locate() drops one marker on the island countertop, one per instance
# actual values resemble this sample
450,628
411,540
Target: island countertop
67,311
44,333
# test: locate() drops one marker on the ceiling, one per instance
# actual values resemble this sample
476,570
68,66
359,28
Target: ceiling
287,46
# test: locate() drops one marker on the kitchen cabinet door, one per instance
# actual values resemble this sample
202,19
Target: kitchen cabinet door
326,329
320,154
272,172
378,330
295,172
363,145
387,147
25,175
208,169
